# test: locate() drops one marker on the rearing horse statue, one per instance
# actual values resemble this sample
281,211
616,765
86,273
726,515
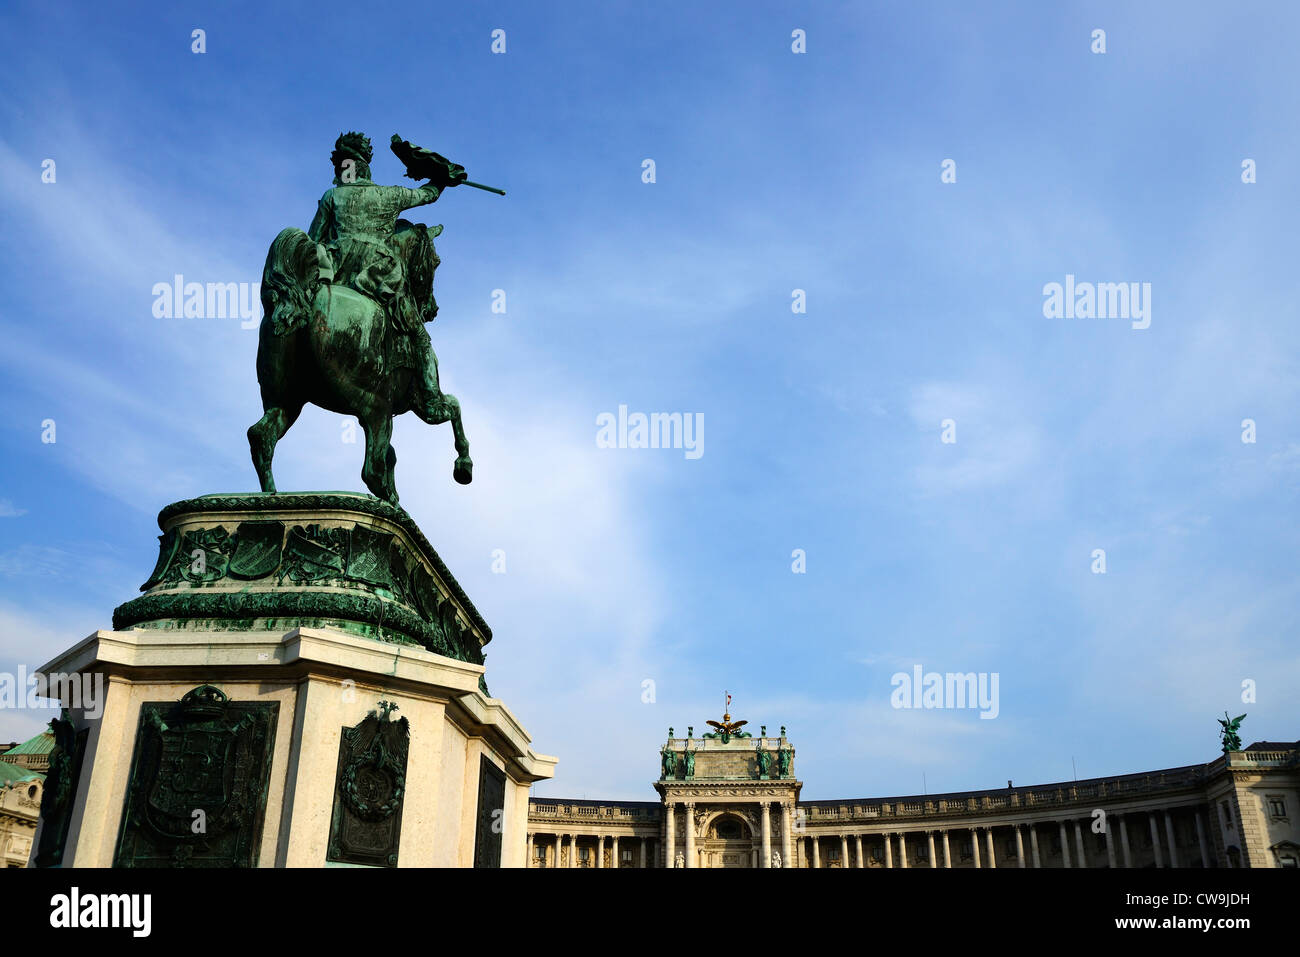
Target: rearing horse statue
344,311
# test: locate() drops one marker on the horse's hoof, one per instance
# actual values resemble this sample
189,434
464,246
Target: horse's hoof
464,470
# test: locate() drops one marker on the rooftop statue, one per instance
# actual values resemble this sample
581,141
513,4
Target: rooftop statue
345,305
669,762
1228,732
726,729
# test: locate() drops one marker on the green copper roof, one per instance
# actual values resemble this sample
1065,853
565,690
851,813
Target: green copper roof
16,774
43,743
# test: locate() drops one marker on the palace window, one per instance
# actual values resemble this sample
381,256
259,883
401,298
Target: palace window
626,854
541,852
584,853
1276,806
728,829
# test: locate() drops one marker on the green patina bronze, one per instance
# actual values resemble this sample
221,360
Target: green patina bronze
271,562
370,784
668,762
784,758
1228,732
764,762
60,788
345,305
491,808
196,795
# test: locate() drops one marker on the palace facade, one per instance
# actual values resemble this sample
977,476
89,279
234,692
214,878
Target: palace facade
22,782
728,799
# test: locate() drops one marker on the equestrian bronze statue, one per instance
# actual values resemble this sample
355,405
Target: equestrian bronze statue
345,306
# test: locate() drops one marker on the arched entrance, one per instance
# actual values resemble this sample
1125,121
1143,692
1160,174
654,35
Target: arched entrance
728,841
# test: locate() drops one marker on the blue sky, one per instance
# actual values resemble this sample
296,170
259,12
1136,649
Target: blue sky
775,171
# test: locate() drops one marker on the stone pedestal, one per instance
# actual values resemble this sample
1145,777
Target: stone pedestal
301,685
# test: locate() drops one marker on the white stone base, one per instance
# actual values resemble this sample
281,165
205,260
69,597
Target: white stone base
324,680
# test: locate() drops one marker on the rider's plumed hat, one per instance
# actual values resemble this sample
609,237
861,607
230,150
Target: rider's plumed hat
354,146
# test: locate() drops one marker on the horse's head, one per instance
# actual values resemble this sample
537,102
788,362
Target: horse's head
421,259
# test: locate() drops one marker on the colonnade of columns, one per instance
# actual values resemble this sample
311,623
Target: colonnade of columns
934,845
930,846
555,843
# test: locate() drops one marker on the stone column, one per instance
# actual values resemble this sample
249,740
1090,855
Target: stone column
929,837
1078,845
1033,845
1110,844
817,854
1200,839
1123,840
670,839
643,853
844,850
528,851
947,851
1169,832
1020,848
600,850
556,862
765,857
857,850
573,850
613,852
787,835
889,849
1155,838
690,834
975,845
988,840
1225,828
902,849
1065,846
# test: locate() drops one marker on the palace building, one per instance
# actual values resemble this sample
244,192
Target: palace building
22,782
730,799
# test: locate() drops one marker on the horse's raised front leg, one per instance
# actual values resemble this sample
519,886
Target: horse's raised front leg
435,407
262,438
377,469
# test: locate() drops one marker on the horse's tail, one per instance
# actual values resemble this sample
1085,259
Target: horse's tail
290,281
